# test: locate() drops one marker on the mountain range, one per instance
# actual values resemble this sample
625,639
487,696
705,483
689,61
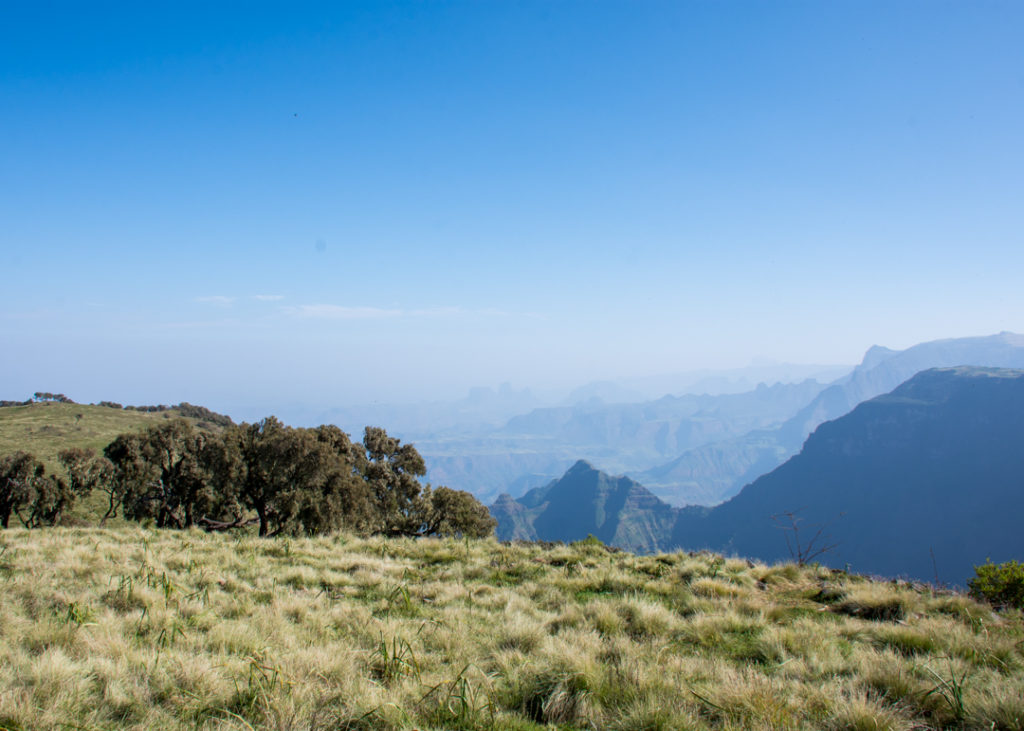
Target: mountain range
529,449
688,447
926,481
711,473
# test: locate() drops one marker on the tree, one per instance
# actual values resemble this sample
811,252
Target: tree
390,471
27,491
406,508
274,465
131,474
345,488
46,499
458,513
18,472
165,473
85,470
1001,585
296,481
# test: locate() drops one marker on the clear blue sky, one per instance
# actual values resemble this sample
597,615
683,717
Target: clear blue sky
349,202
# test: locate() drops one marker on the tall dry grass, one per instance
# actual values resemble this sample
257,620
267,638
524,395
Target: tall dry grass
140,629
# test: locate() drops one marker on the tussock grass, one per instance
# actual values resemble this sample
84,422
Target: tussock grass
142,629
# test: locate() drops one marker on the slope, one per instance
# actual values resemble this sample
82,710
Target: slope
586,501
711,473
46,428
926,480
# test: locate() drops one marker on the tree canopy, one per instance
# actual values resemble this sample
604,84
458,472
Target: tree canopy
284,480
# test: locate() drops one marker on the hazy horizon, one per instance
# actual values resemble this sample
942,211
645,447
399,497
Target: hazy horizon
399,202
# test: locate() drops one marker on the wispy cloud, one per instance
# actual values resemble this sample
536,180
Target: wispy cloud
216,299
268,297
338,312
437,312
341,312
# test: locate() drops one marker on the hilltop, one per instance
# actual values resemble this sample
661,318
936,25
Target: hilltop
160,630
45,428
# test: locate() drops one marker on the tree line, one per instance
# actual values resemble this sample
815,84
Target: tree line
39,397
285,480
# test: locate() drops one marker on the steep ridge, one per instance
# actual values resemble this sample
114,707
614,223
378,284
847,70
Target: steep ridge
586,501
927,480
715,472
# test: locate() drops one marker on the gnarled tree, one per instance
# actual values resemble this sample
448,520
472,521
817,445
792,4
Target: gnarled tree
18,473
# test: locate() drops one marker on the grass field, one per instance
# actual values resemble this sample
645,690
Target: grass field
44,429
143,629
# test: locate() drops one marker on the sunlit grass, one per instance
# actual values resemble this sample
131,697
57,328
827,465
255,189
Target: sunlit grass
142,629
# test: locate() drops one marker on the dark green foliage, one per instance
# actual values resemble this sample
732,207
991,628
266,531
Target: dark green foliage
1001,585
129,474
288,481
36,498
271,463
17,471
165,473
391,471
45,499
203,414
457,513
298,481
85,470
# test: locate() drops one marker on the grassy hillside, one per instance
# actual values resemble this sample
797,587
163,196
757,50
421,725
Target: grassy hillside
137,629
46,428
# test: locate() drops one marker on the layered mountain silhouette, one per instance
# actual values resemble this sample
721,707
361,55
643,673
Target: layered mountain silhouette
711,473
586,501
530,449
926,481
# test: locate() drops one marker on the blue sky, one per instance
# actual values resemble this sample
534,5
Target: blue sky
348,202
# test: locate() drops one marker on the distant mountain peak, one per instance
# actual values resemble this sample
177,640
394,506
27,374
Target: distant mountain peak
875,355
581,467
585,501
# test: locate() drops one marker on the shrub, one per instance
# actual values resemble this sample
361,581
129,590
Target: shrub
1001,585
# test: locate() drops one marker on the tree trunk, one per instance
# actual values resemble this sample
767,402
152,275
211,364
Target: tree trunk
261,510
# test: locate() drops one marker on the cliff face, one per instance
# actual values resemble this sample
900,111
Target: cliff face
586,501
926,480
715,472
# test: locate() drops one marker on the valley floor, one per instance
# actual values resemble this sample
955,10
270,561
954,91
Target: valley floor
142,629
